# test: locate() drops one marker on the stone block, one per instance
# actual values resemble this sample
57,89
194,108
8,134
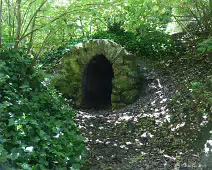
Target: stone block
130,96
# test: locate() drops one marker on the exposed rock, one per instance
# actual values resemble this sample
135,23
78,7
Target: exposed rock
126,68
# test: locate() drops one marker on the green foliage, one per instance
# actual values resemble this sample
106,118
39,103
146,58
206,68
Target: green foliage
145,41
52,58
66,20
195,100
205,46
201,95
194,16
192,106
36,124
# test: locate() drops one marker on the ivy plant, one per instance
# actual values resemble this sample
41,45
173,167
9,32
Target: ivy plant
37,130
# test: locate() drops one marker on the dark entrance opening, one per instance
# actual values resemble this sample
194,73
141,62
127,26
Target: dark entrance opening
97,83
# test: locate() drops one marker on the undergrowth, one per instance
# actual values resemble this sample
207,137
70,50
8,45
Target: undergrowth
37,130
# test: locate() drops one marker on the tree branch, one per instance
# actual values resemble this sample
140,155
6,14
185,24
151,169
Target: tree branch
38,54
18,31
33,17
27,11
59,17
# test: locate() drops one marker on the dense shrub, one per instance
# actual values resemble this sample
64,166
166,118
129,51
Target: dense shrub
36,124
51,59
205,46
145,41
192,110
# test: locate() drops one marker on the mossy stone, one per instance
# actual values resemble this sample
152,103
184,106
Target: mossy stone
130,96
118,105
125,68
115,98
123,83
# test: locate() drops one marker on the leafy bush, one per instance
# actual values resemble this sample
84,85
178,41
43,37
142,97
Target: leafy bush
195,17
192,109
146,41
51,59
205,46
36,124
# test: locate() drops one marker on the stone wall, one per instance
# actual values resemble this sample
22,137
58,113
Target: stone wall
127,78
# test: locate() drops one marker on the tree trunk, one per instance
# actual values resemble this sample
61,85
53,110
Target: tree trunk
210,8
18,30
81,25
31,36
33,20
0,23
9,18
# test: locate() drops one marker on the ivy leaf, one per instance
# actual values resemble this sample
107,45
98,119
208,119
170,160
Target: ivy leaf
15,154
42,134
75,166
11,122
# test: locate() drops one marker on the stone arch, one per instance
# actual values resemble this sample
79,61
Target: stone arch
126,80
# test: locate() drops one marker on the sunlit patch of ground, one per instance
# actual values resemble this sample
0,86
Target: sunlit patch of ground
138,136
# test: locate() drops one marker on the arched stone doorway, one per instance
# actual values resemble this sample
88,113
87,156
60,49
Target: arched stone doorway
97,83
79,81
